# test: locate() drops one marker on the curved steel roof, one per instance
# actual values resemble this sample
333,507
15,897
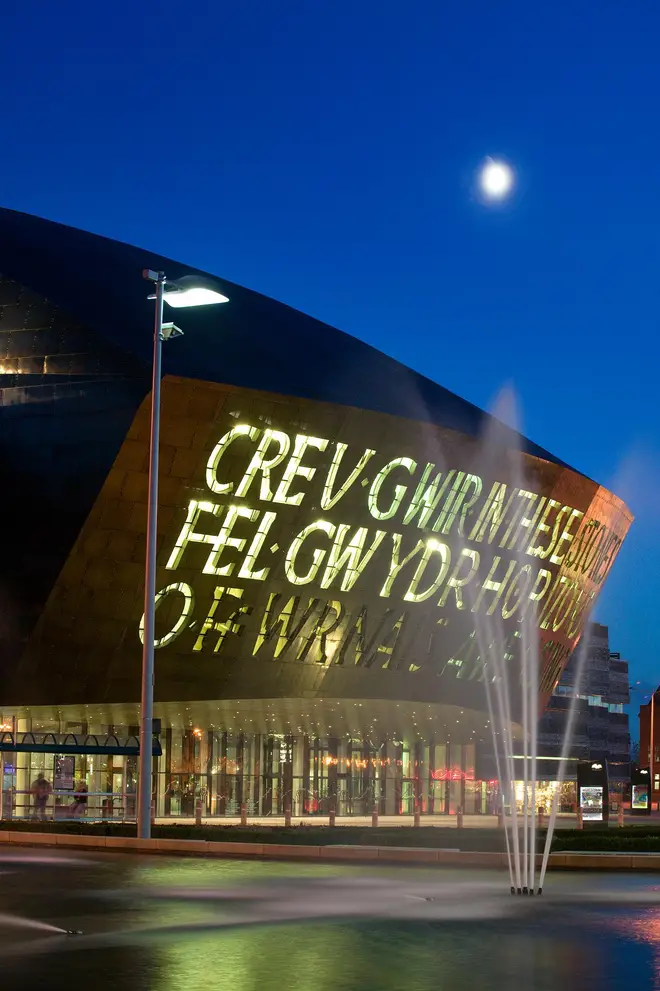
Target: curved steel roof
252,341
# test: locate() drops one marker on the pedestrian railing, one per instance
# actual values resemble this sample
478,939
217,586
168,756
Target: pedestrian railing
100,806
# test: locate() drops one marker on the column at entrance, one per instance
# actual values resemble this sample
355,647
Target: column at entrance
333,791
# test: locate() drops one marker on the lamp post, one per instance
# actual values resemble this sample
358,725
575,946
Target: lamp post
179,293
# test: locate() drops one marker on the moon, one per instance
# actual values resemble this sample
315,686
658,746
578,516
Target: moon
496,179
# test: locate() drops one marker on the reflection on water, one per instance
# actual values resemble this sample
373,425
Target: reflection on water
560,942
644,929
388,957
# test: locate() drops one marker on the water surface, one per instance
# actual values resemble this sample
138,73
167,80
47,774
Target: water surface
152,923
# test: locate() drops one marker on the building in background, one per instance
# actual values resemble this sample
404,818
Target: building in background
334,529
601,728
649,727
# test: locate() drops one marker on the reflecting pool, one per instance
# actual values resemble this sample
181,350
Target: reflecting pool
164,923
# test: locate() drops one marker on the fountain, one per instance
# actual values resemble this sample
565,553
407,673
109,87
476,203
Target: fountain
505,694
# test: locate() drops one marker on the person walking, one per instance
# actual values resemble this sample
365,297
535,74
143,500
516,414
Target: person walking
41,791
79,801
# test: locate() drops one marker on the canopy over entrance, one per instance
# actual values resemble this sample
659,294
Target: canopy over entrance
70,743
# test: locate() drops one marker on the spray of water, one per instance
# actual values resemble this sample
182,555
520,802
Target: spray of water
507,694
568,739
16,922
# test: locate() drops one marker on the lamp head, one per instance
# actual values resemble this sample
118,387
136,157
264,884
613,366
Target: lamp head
190,290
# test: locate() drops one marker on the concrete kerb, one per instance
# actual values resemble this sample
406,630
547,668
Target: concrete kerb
568,860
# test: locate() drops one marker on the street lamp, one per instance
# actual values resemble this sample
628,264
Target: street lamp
188,291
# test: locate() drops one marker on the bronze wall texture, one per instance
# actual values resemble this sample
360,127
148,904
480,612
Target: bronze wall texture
368,590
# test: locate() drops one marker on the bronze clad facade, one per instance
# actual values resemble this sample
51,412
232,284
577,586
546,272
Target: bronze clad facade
338,549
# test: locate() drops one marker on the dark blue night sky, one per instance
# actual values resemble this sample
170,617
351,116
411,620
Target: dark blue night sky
324,154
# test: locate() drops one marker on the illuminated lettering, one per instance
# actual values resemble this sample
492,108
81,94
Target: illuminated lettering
492,514
538,550
461,504
581,545
224,539
566,537
456,583
295,469
328,500
397,565
541,585
567,601
591,553
353,557
282,623
446,511
519,510
528,524
188,533
519,520
399,491
364,649
577,619
490,585
515,595
559,522
316,646
427,498
232,624
261,462
242,430
250,559
464,504
180,588
318,556
603,566
380,650
432,547
559,591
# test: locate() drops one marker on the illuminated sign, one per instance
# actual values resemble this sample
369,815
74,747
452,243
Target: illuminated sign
640,797
359,555
591,803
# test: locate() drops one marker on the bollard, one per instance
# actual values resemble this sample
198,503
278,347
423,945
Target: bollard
500,820
287,816
416,817
459,818
198,812
243,814
374,816
331,817
580,824
620,816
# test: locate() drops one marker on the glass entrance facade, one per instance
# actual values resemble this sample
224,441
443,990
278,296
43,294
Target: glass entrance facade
268,774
